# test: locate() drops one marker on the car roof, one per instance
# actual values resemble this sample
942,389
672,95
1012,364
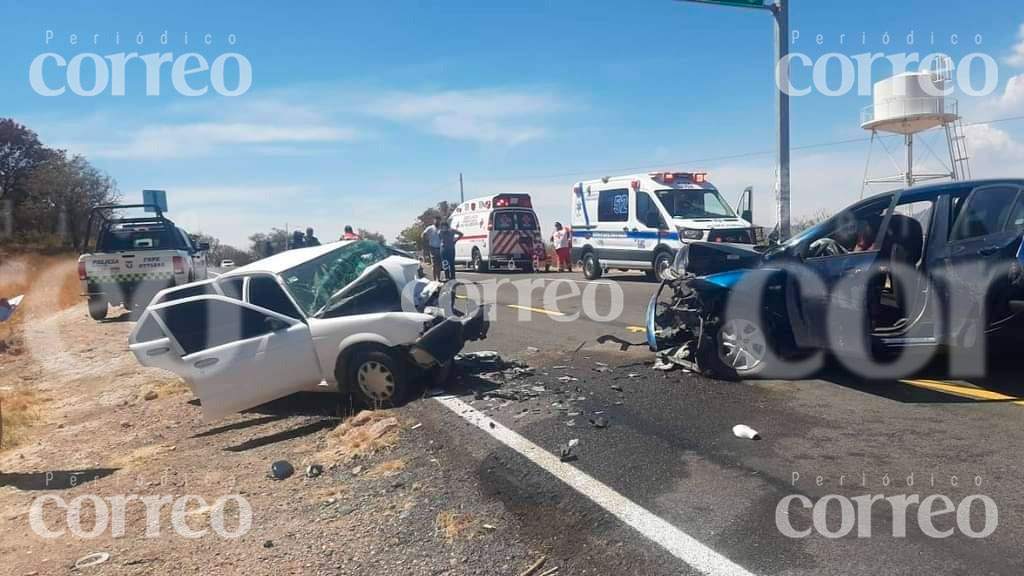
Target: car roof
288,259
927,191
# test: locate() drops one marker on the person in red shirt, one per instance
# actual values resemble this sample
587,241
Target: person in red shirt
349,234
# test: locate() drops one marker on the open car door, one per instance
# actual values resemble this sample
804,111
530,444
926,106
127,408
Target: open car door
234,355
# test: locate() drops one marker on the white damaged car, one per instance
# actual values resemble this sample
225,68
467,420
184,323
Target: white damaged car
352,316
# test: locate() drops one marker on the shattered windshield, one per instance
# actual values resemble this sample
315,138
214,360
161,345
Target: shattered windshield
313,283
696,203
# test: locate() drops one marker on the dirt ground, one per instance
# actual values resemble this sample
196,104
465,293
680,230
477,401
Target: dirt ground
387,501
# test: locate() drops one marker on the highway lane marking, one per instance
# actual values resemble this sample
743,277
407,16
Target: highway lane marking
598,282
636,329
963,391
538,310
654,528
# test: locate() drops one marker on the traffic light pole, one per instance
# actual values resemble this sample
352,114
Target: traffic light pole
781,13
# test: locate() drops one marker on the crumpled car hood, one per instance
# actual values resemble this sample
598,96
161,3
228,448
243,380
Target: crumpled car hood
704,258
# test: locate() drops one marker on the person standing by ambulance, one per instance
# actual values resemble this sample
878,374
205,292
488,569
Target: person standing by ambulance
431,239
449,236
561,241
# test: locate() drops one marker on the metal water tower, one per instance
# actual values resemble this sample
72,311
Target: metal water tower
912,103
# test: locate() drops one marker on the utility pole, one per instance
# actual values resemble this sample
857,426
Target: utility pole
780,11
462,193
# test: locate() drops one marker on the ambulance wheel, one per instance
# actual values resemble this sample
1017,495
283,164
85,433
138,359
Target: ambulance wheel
662,262
591,266
97,308
479,264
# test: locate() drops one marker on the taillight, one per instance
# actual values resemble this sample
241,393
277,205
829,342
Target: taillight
81,270
179,265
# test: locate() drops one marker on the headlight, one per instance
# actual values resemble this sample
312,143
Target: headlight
691,234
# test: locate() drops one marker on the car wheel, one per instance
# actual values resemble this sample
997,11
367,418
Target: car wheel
591,266
662,262
741,349
478,263
97,308
529,268
378,378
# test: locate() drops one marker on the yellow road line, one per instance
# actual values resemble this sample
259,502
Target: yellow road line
963,391
636,329
538,310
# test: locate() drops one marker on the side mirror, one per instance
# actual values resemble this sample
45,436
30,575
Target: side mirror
204,246
275,325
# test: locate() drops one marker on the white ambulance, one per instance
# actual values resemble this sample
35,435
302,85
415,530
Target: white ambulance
499,231
638,222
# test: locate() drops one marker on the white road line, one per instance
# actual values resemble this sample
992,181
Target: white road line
675,541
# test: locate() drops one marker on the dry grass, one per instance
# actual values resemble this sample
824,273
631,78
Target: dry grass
20,411
50,284
388,468
454,525
142,456
366,433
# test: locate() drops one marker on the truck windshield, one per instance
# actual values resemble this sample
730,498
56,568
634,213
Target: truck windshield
694,204
130,239
313,283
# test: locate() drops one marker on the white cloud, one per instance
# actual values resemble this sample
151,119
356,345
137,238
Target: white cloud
1016,57
503,116
202,138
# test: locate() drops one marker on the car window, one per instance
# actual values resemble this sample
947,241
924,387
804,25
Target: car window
232,287
265,292
613,205
1016,220
852,230
526,221
149,330
985,212
188,291
375,293
504,221
647,211
203,324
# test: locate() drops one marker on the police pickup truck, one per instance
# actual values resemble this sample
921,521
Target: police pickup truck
135,257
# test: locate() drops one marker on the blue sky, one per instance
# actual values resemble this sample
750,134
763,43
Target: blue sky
364,113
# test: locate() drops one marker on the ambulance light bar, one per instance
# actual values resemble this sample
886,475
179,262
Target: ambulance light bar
669,177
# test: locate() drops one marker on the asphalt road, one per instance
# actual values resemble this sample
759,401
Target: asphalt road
669,449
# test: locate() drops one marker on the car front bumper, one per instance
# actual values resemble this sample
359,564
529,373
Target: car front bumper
444,340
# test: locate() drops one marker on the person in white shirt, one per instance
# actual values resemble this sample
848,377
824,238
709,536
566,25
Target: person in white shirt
561,240
431,239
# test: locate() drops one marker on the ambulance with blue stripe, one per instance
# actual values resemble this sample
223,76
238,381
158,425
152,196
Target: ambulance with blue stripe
638,222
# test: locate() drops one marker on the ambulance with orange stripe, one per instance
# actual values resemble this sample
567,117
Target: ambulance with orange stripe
499,231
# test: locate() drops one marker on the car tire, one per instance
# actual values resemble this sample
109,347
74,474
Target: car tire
737,349
97,308
529,268
479,265
662,262
378,378
591,266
